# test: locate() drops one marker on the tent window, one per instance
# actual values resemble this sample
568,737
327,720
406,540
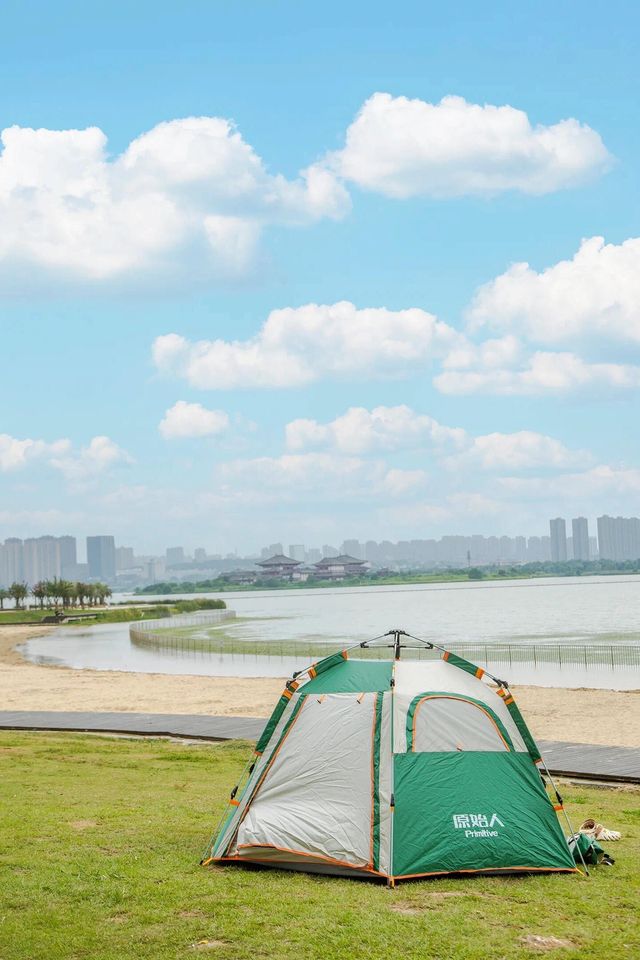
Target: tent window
439,723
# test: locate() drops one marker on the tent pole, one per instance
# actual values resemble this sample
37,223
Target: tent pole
566,815
391,882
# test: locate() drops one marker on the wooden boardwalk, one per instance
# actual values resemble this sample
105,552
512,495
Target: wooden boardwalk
583,760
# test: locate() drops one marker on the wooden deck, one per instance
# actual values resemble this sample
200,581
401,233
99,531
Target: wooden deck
582,760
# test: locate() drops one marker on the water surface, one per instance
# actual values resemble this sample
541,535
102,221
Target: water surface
559,610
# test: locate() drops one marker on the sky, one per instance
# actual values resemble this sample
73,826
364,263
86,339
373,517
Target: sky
296,272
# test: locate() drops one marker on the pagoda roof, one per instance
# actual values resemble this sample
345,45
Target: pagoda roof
343,559
278,560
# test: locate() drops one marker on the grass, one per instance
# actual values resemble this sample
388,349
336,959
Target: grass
113,614
99,861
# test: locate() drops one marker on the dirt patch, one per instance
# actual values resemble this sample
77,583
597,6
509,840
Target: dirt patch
542,944
208,944
82,824
118,918
412,907
188,914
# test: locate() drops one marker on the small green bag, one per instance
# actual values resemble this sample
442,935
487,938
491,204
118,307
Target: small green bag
585,848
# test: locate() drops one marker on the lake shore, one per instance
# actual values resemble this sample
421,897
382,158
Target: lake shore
606,717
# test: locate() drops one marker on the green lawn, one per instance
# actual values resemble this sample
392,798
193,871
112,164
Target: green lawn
99,847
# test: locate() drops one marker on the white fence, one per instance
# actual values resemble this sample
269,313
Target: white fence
157,631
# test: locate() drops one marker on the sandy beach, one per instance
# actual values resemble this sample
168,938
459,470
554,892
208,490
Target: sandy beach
581,716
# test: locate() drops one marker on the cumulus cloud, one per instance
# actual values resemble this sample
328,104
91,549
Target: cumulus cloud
91,461
97,457
186,185
590,303
321,476
540,373
406,148
299,345
601,481
362,431
192,420
595,294
522,450
468,505
16,453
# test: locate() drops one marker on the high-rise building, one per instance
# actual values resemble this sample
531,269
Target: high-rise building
329,551
101,557
353,548
68,556
521,549
296,551
558,531
619,538
41,559
200,555
276,549
125,559
580,531
13,561
174,556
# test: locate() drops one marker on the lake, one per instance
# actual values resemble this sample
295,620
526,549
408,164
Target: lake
568,610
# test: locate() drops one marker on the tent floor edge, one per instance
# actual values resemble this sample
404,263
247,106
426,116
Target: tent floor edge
309,867
487,872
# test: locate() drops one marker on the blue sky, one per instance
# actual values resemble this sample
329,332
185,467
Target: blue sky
505,396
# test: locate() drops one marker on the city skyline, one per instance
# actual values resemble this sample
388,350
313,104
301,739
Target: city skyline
46,557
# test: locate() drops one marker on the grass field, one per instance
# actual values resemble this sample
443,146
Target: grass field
100,840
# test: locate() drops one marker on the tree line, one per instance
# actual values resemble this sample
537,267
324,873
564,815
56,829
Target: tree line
56,593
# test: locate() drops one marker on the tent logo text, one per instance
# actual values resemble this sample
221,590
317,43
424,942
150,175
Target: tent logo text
477,824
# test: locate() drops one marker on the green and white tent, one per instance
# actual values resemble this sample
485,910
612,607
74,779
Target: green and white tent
394,769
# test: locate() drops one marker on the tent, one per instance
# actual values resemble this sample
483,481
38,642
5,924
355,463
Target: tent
394,769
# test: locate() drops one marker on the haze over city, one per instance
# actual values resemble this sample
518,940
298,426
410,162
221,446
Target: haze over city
46,557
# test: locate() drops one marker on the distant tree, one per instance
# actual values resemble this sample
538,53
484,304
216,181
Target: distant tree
4,595
39,592
66,591
475,573
19,592
79,593
102,591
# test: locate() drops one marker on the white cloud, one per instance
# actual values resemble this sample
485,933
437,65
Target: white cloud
296,346
15,453
595,294
319,476
405,148
467,505
602,481
192,420
522,450
91,461
186,185
541,373
361,431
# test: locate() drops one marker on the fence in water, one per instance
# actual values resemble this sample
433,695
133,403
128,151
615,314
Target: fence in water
187,635
171,629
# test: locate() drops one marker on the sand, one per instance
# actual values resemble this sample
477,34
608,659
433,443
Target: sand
580,716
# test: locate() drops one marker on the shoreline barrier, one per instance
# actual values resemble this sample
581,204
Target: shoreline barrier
160,635
158,631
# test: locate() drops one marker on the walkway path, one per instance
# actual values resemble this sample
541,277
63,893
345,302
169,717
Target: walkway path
572,759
